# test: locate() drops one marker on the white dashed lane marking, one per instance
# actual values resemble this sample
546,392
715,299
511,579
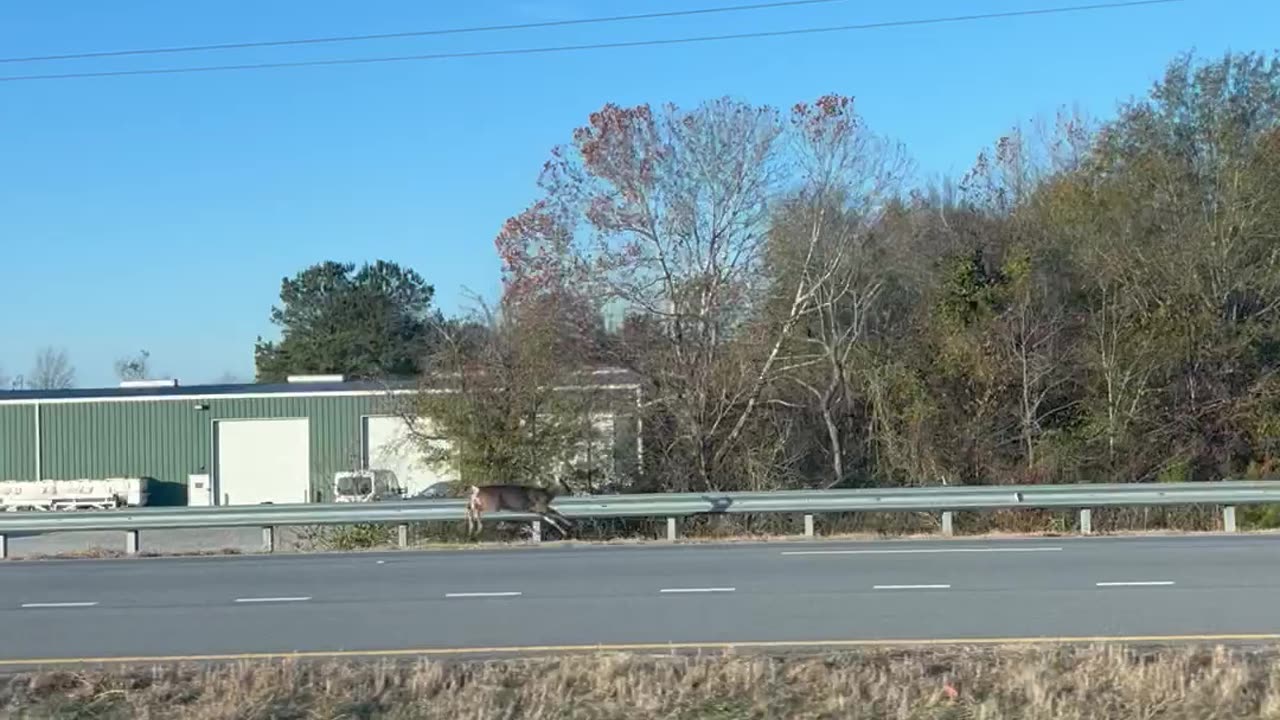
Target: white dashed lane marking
922,551
1136,583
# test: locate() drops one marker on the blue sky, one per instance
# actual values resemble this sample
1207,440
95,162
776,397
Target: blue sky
161,212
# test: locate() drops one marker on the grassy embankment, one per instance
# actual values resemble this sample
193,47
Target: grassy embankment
1085,683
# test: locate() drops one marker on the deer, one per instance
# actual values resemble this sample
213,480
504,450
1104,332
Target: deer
515,498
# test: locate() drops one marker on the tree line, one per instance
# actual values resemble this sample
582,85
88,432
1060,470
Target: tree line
53,370
1095,300
1092,301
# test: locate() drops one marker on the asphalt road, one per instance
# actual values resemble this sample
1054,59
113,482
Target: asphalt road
642,597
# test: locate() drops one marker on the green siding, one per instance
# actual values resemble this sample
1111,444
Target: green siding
161,440
167,440
17,442
170,439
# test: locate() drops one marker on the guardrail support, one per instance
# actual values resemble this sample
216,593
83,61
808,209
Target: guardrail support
671,529
268,539
947,502
535,534
4,547
1086,521
402,535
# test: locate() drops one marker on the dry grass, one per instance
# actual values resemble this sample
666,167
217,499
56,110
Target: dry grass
517,543
853,526
105,554
928,684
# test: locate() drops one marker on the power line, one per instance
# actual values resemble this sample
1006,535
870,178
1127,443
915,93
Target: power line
600,46
419,33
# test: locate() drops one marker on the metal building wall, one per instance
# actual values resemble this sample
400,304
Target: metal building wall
17,442
163,440
171,439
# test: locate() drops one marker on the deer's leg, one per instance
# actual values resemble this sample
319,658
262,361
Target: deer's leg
567,521
556,519
473,509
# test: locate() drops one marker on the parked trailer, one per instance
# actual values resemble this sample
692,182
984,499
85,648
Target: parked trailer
59,495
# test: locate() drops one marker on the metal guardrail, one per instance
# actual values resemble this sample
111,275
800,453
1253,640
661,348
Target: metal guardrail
944,500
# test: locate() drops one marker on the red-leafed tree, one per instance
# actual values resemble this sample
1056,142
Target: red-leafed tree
665,216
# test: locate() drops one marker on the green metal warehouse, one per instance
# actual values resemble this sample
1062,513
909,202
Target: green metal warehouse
256,442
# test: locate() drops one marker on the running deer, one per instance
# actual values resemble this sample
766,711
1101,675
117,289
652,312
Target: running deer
514,498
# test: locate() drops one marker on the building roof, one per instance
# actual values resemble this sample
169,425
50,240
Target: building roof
602,377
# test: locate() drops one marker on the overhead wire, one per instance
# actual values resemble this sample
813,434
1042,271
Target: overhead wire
422,33
599,46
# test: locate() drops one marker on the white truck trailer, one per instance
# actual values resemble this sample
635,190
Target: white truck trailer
61,495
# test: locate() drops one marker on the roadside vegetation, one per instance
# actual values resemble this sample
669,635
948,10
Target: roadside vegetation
725,528
1062,683
852,526
1095,300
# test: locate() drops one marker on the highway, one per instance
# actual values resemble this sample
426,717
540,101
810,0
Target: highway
641,597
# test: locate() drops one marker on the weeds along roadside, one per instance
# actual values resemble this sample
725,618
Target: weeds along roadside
1060,682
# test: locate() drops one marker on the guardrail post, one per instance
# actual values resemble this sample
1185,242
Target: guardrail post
268,539
4,546
402,535
948,528
671,529
1229,518
132,542
808,526
1086,521
536,532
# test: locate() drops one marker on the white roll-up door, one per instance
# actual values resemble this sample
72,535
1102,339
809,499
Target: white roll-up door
388,446
261,461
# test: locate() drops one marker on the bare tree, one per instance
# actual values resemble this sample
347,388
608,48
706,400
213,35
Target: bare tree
136,367
667,216
1033,337
52,371
825,238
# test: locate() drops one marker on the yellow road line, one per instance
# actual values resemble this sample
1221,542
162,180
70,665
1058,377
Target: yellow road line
649,647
